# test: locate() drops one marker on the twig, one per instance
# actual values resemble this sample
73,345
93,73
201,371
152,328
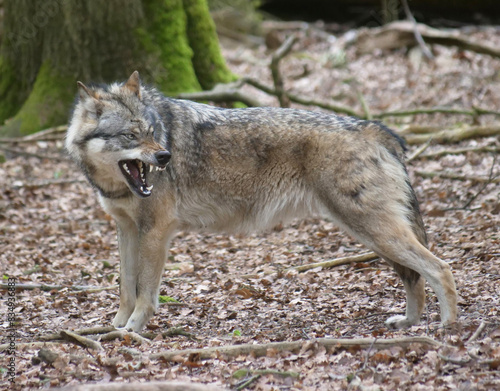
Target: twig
259,350
46,183
31,154
436,110
38,136
416,33
80,340
223,93
454,135
246,383
490,179
33,345
44,287
282,51
457,361
121,334
304,101
85,331
419,151
459,151
336,262
452,175
477,332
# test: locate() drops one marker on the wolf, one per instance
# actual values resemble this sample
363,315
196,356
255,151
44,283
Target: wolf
160,165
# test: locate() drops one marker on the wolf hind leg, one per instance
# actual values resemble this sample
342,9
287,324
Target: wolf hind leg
414,286
399,244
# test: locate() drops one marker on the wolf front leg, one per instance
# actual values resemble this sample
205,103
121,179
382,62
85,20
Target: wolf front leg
153,245
128,245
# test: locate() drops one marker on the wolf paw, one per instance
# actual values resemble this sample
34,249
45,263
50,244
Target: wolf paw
399,322
120,319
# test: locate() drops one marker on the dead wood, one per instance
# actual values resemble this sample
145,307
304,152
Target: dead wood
32,345
459,151
458,177
416,33
46,287
402,33
18,152
80,340
477,333
50,134
336,262
454,135
123,334
150,386
259,350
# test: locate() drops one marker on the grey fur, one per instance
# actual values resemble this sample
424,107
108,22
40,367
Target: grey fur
238,170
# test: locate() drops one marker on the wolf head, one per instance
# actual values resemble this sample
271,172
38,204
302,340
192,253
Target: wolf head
117,137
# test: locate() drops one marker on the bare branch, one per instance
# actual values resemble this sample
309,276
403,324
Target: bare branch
259,350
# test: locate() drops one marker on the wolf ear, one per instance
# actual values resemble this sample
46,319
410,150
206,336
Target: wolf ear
133,84
90,102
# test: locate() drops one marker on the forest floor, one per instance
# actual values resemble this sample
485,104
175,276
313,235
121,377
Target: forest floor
234,290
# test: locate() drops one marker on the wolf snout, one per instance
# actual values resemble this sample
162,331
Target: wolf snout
163,157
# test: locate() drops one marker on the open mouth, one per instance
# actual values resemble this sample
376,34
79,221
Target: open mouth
135,172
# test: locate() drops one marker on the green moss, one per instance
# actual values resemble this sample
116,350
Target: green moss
47,105
208,62
164,39
11,93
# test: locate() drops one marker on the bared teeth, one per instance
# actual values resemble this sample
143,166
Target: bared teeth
149,188
125,167
151,168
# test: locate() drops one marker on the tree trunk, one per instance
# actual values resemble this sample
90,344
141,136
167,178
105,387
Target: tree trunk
47,46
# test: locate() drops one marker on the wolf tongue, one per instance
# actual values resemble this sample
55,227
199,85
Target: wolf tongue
134,171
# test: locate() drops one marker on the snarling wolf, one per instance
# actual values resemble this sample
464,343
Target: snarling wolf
160,165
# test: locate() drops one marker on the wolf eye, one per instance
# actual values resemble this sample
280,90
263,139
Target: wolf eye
130,136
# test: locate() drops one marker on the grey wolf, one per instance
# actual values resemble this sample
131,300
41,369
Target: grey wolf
160,165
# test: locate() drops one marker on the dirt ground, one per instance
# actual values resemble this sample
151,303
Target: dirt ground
233,290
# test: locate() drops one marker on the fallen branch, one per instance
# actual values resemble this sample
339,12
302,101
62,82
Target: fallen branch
259,350
85,331
122,334
48,182
223,93
416,33
326,264
303,100
44,287
419,151
402,33
454,135
149,386
458,177
43,135
478,332
33,345
336,262
460,151
80,340
18,152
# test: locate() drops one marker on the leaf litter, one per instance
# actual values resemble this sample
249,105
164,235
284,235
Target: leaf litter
58,235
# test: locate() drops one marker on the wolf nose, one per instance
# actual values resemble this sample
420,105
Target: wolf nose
163,157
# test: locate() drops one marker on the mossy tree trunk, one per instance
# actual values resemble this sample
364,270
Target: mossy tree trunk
48,45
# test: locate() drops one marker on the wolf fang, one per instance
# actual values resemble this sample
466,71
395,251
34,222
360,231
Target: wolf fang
246,169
